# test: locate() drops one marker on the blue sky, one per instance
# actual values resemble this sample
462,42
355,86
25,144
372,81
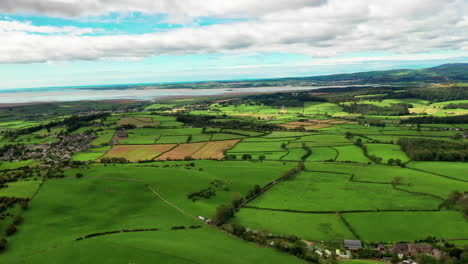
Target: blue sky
95,42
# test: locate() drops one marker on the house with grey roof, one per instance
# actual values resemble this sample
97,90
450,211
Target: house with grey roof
352,244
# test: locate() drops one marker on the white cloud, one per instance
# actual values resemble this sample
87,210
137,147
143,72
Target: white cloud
316,28
17,26
178,10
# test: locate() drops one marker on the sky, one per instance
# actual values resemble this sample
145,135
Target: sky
47,43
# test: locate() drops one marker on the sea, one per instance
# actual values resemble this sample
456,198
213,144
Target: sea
68,94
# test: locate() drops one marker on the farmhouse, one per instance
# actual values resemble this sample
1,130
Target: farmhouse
352,244
121,134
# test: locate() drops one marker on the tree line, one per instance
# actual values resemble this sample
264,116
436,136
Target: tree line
461,119
421,149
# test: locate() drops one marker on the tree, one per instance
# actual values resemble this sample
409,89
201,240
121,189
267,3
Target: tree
237,199
254,191
24,205
425,259
246,157
463,203
395,259
17,220
223,213
11,229
261,157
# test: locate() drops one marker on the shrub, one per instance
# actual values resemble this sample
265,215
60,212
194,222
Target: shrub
11,229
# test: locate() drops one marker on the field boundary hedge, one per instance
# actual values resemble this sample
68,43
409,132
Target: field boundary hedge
349,226
337,152
343,211
116,232
437,174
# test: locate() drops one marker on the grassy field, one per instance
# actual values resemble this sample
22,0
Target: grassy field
412,180
176,181
295,154
225,136
320,108
172,139
351,153
387,151
7,165
322,154
91,154
133,206
321,141
327,227
200,138
20,189
87,156
316,191
408,226
456,170
137,121
104,137
257,147
166,246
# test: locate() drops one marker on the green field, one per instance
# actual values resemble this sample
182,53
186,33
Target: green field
408,226
412,180
6,165
457,170
318,191
386,152
133,206
295,154
351,153
323,153
91,154
176,182
257,147
172,139
104,137
20,189
308,226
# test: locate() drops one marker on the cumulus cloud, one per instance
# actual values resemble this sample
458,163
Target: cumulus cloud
177,9
316,28
17,26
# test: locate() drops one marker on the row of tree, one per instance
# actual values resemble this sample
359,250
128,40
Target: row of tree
421,149
370,109
462,119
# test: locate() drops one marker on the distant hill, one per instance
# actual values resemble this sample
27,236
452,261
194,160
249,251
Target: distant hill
452,72
455,72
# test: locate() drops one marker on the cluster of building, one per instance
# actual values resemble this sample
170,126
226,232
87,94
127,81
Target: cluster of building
410,249
402,250
52,153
